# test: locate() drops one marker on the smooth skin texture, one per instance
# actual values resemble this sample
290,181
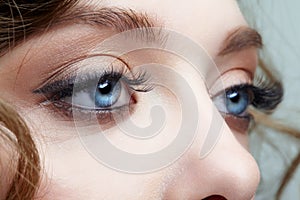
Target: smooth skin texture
70,172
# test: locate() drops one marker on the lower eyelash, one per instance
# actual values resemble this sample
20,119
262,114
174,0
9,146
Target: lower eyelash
105,117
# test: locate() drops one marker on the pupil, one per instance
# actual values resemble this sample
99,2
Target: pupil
105,88
234,97
107,92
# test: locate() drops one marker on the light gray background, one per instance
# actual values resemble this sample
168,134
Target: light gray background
279,23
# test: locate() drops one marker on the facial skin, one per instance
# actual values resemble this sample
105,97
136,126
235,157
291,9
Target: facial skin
70,172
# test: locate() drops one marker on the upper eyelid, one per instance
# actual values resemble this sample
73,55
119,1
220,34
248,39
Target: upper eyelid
66,67
229,79
243,85
68,84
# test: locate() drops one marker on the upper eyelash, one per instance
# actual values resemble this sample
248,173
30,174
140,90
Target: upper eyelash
64,88
266,95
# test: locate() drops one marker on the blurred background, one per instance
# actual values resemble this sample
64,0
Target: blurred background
279,23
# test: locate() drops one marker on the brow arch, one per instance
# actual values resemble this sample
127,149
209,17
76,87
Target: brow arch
240,39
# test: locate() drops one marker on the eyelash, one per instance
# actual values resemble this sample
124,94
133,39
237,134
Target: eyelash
58,90
265,95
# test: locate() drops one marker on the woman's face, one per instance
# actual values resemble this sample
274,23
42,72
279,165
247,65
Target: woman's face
68,124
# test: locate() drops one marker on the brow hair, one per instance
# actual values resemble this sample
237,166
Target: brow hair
120,19
117,19
23,20
240,39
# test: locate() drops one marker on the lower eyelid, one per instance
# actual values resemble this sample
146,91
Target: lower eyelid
238,124
104,117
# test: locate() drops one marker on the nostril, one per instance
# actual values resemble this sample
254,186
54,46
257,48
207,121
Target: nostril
215,197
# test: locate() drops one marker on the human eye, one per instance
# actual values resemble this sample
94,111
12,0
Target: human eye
100,91
233,103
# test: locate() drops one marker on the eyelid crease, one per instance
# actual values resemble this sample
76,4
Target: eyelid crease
67,64
228,79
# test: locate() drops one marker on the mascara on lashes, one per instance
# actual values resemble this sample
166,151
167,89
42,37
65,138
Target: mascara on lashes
60,89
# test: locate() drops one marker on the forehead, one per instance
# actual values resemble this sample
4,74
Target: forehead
207,22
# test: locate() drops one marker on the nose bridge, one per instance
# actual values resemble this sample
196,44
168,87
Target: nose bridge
228,170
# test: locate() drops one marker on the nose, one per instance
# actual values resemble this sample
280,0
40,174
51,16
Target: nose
228,171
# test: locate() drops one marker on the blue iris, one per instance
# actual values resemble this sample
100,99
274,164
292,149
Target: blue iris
107,93
237,101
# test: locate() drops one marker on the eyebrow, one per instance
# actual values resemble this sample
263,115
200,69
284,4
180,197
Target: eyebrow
119,19
240,39
60,13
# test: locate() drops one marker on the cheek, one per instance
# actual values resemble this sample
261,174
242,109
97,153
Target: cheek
70,171
73,173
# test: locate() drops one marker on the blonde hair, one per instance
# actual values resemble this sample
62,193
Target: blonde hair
25,182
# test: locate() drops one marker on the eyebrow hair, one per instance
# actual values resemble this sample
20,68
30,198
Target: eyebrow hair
38,19
240,39
120,19
117,19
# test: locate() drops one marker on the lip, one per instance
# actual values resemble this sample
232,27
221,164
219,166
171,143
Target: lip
215,197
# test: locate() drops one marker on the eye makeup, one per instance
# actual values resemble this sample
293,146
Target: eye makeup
94,91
